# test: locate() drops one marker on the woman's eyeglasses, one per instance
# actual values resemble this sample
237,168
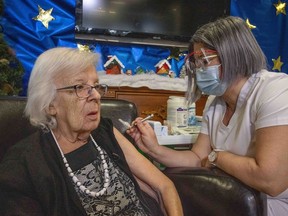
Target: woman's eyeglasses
203,59
85,90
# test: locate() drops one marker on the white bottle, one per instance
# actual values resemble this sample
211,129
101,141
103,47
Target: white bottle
177,113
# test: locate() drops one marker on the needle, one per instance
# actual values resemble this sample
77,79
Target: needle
147,118
126,124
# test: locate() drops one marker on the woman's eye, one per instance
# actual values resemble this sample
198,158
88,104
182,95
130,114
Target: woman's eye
205,62
80,87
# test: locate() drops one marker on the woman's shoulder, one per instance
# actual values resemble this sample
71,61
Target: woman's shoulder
271,77
272,83
105,124
104,131
24,147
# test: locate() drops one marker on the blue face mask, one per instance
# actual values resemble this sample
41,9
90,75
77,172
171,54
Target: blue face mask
208,81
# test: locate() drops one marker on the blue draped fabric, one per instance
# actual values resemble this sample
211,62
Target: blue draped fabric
271,30
29,38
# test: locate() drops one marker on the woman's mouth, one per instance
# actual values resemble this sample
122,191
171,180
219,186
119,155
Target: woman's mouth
93,115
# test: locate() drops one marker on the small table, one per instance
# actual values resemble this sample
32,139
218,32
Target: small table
181,139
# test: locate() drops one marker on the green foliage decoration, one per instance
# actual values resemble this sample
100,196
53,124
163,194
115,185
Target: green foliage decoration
11,70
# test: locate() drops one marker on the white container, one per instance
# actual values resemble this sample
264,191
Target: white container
177,112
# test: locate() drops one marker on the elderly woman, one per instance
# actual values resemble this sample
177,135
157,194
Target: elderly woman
68,168
245,123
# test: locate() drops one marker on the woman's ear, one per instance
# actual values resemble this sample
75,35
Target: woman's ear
51,109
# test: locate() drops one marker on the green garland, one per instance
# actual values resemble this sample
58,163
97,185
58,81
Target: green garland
11,70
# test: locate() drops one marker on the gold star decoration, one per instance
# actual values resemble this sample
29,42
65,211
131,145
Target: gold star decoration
280,7
277,64
250,25
44,16
83,48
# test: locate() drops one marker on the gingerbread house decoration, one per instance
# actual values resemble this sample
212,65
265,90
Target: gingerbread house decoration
163,67
113,65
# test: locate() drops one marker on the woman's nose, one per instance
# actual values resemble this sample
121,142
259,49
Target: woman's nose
94,93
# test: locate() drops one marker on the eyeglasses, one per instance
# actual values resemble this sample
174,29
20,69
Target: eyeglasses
85,90
200,62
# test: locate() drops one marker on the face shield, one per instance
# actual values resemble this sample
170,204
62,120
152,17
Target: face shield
199,59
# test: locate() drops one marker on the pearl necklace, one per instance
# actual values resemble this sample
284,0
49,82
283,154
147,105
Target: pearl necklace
76,180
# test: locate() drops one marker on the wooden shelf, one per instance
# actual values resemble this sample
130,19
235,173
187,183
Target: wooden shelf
150,101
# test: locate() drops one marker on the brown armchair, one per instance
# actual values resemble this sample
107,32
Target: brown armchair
203,192
212,192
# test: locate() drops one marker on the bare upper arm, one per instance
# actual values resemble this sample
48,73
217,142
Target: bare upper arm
140,165
271,152
266,170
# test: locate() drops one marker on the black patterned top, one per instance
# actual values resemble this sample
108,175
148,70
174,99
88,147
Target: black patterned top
120,197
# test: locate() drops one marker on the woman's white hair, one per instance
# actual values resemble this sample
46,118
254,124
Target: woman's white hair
49,66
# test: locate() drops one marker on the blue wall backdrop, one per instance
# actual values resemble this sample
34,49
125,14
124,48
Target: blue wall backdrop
33,26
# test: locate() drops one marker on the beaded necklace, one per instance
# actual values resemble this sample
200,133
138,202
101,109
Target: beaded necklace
76,180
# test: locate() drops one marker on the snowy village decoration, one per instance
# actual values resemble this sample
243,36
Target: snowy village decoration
139,70
128,72
163,67
171,74
113,65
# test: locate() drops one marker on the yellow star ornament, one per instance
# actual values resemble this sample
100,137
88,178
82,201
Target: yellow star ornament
44,16
250,25
83,48
277,64
280,7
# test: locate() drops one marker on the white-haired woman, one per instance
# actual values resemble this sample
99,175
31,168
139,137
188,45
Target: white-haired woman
68,167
